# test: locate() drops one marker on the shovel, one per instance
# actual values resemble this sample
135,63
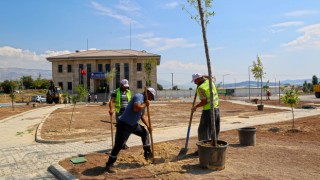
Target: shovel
111,124
184,150
154,159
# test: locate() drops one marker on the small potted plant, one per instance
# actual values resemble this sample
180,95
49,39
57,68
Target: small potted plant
258,74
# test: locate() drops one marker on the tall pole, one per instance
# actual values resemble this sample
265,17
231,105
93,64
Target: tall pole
279,91
275,85
223,82
249,81
223,79
130,35
172,81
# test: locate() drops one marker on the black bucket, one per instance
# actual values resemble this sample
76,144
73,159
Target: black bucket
247,136
210,157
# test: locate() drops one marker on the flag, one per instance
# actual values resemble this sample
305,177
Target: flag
83,72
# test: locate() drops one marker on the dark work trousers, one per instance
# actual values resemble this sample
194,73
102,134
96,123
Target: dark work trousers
123,133
117,119
204,129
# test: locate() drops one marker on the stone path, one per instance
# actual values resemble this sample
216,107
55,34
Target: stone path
22,158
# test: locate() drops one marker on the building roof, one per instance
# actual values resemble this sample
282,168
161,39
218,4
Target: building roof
105,54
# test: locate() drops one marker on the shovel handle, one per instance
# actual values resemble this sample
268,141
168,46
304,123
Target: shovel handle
111,130
191,115
149,121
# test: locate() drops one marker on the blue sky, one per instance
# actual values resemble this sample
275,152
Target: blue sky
284,33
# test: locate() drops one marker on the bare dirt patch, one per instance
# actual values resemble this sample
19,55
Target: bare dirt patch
278,154
7,111
90,121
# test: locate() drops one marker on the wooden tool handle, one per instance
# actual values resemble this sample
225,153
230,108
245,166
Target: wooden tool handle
149,120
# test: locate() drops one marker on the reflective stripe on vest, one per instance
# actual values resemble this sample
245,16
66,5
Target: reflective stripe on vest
118,99
205,87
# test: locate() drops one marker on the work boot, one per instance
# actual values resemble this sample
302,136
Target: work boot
109,169
147,155
147,152
125,147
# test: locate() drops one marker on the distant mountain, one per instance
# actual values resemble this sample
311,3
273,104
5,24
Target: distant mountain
12,73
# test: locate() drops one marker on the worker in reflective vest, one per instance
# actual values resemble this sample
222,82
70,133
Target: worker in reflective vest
203,92
119,101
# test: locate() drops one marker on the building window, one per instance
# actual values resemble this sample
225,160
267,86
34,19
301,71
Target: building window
139,67
69,85
61,85
117,74
126,71
60,69
89,70
80,75
107,68
69,68
139,84
100,68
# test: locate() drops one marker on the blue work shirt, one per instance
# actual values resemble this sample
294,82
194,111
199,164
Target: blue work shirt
130,117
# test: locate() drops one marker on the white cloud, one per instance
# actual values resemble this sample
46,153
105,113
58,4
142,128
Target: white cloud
127,5
178,66
310,38
171,5
300,13
279,27
15,57
161,44
125,20
288,24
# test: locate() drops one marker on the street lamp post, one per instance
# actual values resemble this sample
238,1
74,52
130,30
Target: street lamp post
223,79
249,80
275,85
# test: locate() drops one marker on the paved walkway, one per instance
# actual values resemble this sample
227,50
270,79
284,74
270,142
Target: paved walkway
22,158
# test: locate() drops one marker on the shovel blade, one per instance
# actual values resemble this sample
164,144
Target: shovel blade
183,152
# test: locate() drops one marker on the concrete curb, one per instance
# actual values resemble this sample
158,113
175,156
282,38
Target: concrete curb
59,172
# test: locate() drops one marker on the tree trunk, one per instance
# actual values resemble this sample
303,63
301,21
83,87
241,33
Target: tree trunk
292,117
261,92
213,124
71,116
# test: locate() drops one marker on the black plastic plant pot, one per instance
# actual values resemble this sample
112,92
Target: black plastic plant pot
212,157
260,107
247,136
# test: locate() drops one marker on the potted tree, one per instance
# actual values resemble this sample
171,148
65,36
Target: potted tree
212,152
290,98
258,74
